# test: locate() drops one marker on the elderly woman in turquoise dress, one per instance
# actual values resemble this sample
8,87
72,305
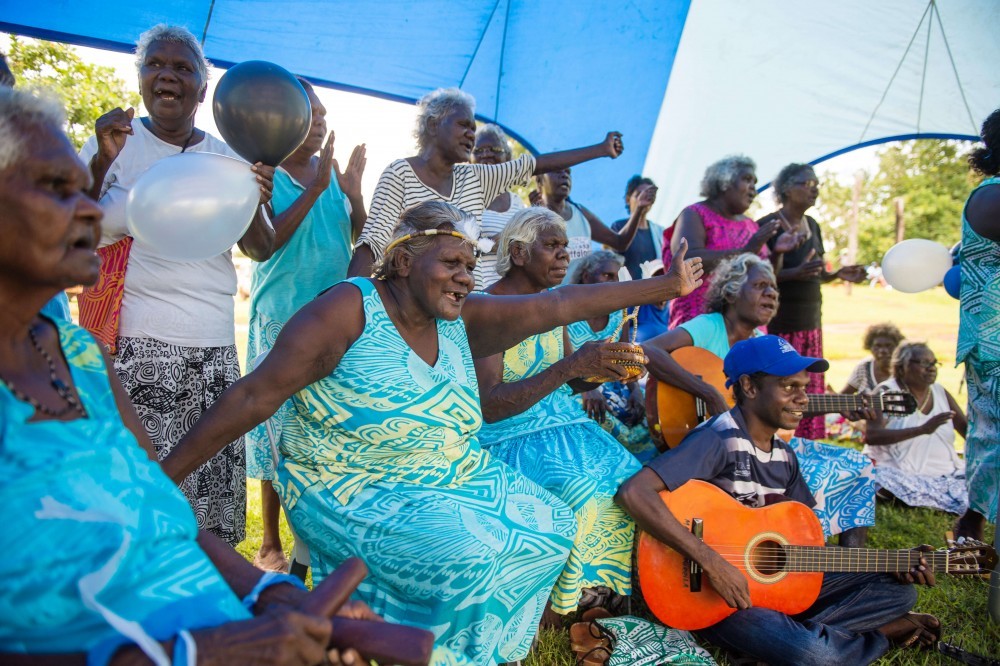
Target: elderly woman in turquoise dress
381,459
117,570
536,425
317,218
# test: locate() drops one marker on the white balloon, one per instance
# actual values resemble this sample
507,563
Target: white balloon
192,206
915,264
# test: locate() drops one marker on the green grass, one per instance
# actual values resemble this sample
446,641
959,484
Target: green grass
932,316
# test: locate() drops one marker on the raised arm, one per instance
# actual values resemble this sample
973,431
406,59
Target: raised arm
611,147
619,241
258,241
308,348
496,323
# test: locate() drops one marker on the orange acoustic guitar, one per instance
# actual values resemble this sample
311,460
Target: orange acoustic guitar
672,412
780,550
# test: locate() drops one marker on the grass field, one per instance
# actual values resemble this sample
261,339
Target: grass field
931,316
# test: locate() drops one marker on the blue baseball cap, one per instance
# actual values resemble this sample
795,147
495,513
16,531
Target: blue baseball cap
770,354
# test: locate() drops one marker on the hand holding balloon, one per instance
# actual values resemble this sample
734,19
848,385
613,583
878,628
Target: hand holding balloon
265,179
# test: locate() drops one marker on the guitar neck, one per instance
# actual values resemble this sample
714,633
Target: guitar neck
831,403
860,560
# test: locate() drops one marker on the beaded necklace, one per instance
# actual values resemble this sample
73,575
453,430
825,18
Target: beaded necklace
65,392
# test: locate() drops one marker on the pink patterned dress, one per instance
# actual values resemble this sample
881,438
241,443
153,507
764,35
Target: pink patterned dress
721,233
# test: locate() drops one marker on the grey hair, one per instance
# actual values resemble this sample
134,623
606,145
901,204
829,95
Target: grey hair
592,261
729,277
436,105
524,228
491,131
782,182
904,353
176,34
417,218
722,175
20,110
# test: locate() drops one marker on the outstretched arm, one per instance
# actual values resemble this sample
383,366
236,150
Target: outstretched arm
308,348
496,323
611,147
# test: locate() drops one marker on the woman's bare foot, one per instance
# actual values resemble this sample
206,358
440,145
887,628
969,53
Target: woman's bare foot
271,559
913,629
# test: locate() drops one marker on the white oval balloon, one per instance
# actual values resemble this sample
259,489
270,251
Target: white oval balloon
916,264
192,206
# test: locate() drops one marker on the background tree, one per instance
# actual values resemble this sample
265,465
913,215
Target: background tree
86,90
932,177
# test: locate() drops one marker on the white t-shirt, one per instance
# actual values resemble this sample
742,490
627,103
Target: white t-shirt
931,455
474,186
184,303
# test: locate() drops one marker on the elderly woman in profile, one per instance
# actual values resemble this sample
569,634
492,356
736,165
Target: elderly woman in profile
493,147
717,228
176,339
117,572
381,459
446,136
534,422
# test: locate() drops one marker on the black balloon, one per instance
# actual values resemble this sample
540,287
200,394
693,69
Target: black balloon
262,111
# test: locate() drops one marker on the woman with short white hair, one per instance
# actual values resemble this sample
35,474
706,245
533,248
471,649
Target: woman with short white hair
446,136
717,227
169,323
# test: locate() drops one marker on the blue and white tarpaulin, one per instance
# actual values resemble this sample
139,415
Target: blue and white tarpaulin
686,82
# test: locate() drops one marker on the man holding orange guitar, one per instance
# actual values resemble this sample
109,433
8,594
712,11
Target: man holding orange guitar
856,617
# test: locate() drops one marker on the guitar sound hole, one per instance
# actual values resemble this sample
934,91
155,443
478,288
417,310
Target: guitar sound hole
769,558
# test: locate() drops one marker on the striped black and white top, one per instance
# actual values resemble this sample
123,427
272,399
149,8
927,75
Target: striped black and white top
721,452
473,188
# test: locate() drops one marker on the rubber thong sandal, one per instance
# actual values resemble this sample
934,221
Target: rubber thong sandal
590,643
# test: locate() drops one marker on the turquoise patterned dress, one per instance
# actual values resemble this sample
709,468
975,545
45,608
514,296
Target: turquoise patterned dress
555,444
314,259
110,557
979,349
380,460
635,436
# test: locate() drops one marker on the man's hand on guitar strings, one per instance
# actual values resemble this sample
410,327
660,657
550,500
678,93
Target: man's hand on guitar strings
921,574
729,582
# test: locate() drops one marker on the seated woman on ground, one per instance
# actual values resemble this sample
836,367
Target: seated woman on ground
618,407
380,457
742,299
117,570
881,340
535,424
915,455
